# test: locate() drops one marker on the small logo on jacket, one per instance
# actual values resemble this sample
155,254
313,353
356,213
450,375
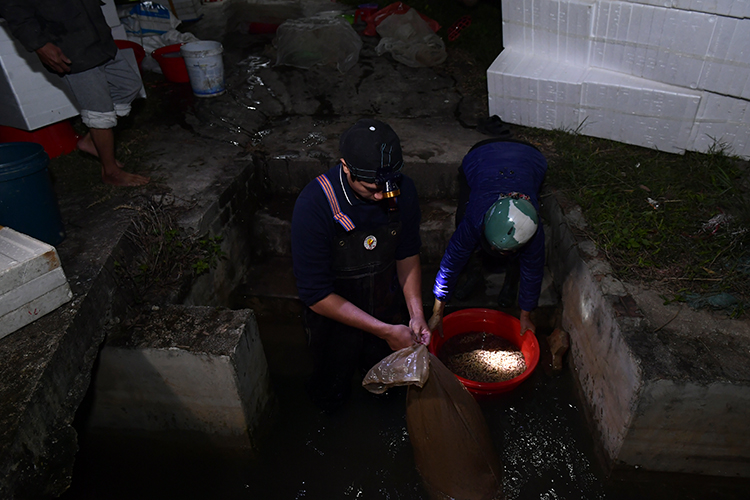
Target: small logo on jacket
371,242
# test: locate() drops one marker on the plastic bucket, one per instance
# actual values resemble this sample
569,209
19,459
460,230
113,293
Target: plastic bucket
497,323
27,200
205,67
171,63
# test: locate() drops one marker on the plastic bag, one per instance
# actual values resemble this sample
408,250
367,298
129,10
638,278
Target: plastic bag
305,42
147,18
410,40
404,367
374,19
452,444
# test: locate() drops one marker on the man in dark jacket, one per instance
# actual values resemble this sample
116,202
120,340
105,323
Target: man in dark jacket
498,212
355,248
72,39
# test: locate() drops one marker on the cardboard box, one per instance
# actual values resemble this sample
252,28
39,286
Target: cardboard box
32,282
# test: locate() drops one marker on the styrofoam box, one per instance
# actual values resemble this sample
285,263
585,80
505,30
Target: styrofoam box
532,91
731,8
32,282
636,111
722,120
559,30
669,45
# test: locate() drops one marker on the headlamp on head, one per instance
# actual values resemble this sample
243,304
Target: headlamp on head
510,223
372,152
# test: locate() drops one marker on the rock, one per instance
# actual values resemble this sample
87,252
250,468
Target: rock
559,342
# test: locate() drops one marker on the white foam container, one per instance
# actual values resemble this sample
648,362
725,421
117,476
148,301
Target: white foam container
32,282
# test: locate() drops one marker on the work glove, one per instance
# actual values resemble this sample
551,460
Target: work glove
436,320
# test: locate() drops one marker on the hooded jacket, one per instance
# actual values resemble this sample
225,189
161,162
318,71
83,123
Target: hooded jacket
493,168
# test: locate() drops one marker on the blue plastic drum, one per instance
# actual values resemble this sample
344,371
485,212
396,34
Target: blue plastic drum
27,201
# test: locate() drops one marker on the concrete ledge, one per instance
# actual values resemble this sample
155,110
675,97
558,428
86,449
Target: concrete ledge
195,369
45,368
667,388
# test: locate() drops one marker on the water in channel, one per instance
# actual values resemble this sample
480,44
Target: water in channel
363,451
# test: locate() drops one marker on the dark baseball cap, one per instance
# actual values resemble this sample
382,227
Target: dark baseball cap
372,151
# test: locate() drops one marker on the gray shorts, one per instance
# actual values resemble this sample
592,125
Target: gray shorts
105,92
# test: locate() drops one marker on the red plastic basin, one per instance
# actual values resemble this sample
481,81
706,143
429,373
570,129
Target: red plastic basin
497,323
140,54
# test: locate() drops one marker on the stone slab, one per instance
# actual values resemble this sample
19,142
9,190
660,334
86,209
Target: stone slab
185,369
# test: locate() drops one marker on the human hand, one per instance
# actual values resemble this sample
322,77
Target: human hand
52,56
526,323
436,320
399,336
422,333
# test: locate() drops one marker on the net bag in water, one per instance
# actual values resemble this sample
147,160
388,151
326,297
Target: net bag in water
452,445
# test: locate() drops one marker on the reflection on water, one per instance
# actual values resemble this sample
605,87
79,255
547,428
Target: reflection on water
363,451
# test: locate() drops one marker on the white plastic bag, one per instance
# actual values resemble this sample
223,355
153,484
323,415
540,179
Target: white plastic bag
323,39
410,40
148,18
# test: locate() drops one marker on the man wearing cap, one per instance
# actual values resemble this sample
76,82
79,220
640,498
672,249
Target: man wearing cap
355,250
497,211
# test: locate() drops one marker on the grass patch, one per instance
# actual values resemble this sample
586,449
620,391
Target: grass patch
681,222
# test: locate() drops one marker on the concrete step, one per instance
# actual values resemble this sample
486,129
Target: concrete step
270,289
185,369
271,228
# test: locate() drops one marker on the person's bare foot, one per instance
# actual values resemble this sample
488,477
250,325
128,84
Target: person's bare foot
86,144
122,178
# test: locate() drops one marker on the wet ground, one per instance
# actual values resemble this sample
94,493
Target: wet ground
539,430
363,452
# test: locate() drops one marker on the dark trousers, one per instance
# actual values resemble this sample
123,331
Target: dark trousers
338,352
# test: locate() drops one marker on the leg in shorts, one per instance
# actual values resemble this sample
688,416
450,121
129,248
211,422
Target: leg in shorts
105,92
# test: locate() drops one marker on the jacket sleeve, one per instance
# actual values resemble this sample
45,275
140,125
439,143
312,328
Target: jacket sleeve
531,261
24,23
460,247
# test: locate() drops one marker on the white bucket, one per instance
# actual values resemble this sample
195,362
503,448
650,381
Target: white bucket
205,67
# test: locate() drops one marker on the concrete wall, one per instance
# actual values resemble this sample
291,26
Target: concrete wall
661,396
186,369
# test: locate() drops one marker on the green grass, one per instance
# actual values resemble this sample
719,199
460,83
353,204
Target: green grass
681,222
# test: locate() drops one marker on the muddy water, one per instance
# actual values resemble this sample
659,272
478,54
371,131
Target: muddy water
363,452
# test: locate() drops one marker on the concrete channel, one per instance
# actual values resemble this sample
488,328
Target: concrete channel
665,389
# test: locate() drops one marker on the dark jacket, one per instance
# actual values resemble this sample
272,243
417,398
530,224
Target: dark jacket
493,168
78,27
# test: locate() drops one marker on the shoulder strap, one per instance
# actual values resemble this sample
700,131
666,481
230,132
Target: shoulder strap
340,217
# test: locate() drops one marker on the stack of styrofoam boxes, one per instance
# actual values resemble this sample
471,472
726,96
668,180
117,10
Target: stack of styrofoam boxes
30,96
32,283
657,76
